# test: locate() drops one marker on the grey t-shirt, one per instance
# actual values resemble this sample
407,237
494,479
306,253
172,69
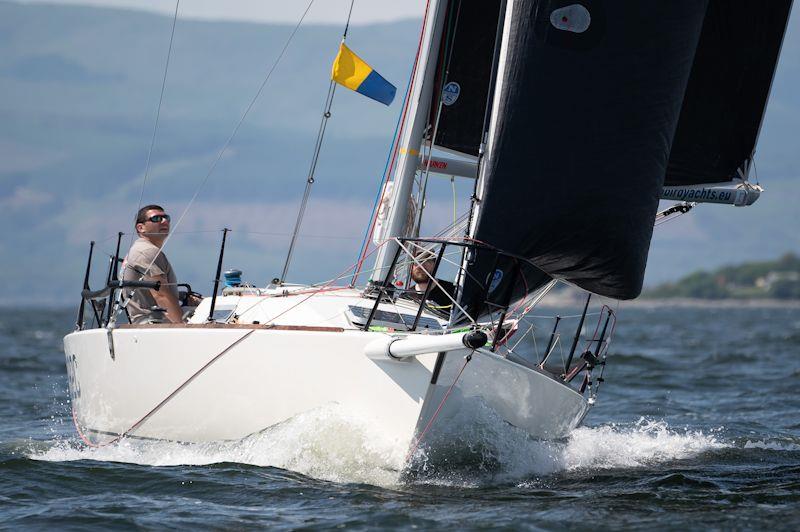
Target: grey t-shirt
144,254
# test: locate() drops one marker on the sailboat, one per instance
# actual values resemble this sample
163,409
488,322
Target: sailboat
574,119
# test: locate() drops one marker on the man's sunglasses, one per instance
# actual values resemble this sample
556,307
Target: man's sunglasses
158,218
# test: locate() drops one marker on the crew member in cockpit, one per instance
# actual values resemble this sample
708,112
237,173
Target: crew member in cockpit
441,294
147,262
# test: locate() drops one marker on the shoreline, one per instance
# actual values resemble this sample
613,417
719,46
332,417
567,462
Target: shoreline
571,301
551,300
717,303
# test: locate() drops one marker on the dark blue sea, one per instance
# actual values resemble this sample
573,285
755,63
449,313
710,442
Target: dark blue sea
696,427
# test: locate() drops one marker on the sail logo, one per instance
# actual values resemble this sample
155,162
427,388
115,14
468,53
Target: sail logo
496,278
574,18
450,93
697,194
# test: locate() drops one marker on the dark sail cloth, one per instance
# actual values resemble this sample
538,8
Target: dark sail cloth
579,149
727,91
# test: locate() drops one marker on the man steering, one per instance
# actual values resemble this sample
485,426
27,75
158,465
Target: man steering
146,262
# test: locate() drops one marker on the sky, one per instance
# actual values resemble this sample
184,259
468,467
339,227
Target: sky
282,11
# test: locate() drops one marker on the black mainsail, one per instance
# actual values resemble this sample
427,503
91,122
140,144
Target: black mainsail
727,91
598,105
466,58
587,105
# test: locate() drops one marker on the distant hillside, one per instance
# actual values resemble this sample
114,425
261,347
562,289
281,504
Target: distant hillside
79,87
777,279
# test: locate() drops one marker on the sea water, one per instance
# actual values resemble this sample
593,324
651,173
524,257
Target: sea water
697,426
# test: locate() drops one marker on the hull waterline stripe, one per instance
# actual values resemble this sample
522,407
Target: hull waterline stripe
118,435
149,438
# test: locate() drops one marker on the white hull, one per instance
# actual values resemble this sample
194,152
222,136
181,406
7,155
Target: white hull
266,379
280,371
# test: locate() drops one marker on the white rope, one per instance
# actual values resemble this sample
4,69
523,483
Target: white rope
235,130
158,110
669,219
326,115
453,187
560,316
536,348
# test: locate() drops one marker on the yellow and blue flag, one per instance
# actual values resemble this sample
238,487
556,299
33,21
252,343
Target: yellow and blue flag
352,72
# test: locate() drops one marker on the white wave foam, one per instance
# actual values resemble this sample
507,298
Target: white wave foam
323,444
513,456
771,445
644,443
328,445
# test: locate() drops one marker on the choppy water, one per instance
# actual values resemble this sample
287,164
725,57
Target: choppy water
697,426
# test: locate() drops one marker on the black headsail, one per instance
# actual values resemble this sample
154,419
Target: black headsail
727,91
587,103
464,73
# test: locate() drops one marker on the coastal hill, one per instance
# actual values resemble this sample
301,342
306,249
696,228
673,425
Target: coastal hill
776,279
80,91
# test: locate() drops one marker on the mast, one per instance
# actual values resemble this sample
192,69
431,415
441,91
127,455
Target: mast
411,138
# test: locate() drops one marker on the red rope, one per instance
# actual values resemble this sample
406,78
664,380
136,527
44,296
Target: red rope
84,438
438,409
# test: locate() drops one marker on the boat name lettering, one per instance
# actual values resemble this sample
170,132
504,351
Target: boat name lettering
697,193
